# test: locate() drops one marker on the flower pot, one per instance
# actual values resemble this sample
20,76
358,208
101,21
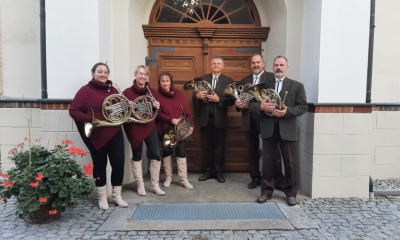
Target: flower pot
42,215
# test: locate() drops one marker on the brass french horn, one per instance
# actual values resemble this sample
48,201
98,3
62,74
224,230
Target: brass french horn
262,94
116,111
143,110
198,85
180,132
236,90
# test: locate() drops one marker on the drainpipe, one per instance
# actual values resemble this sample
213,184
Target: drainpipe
43,61
370,51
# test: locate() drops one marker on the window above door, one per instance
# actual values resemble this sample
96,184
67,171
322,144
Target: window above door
209,11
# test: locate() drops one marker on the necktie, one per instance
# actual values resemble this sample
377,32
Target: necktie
277,86
214,83
255,80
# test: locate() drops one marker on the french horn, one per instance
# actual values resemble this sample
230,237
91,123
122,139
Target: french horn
143,110
268,94
180,132
198,85
116,111
236,90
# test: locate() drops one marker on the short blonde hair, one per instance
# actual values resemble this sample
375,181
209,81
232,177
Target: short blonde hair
146,69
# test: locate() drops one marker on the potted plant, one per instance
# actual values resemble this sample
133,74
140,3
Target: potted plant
45,182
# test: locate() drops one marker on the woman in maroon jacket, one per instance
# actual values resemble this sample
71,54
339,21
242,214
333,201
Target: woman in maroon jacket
173,106
103,141
143,131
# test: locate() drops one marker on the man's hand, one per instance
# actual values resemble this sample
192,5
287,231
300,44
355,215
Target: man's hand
201,95
213,97
267,107
281,112
241,104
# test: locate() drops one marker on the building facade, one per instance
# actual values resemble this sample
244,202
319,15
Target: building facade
350,133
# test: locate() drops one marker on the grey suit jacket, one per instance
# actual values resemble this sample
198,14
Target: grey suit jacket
220,109
246,114
296,103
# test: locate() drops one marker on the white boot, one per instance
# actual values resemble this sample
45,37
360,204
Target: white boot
137,173
182,172
102,193
155,167
168,171
116,193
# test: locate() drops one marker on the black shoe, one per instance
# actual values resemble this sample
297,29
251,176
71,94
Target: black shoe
220,177
254,183
263,198
206,176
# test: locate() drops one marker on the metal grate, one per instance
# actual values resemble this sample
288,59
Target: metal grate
207,211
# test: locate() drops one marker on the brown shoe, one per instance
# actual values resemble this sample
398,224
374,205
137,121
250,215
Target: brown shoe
220,178
206,176
291,201
263,198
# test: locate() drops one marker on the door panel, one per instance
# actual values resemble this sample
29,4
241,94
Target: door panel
183,64
186,59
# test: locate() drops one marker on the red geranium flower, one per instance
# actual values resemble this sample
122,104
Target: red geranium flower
8,184
88,169
39,176
77,151
52,212
34,184
42,200
67,142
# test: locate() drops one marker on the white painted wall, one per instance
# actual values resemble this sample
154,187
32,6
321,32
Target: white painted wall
72,45
343,51
20,26
386,69
310,50
277,20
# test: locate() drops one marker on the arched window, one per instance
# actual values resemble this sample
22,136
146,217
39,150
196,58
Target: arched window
212,11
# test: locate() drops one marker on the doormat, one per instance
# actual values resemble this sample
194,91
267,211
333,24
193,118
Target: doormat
207,211
207,216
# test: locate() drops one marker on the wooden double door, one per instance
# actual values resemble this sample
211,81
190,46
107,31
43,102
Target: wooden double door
188,58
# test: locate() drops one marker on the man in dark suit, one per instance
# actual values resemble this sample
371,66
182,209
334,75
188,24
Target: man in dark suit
251,124
278,127
213,111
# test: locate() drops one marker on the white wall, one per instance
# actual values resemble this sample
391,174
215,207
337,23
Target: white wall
386,69
72,45
275,12
294,38
344,51
20,26
310,50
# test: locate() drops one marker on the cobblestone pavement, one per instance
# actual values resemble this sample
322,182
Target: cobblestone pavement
377,218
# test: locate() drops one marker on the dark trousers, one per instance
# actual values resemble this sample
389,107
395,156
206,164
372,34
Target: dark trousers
114,149
213,143
153,147
253,141
289,152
